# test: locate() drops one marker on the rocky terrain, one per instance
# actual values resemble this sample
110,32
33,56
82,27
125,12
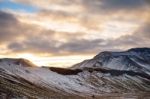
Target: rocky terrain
109,75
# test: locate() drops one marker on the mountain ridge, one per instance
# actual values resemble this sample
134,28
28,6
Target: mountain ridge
107,75
133,59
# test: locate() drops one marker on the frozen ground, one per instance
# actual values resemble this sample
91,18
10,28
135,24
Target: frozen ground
109,74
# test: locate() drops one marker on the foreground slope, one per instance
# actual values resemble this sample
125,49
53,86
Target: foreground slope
108,74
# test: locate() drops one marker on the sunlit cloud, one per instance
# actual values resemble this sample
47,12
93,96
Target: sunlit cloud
64,32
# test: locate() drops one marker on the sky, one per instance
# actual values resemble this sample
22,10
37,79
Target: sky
60,33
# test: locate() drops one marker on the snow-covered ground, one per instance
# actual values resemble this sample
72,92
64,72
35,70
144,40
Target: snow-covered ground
107,73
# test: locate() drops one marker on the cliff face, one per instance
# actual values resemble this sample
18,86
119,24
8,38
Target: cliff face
108,74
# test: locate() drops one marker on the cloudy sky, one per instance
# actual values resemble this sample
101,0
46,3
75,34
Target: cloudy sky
64,32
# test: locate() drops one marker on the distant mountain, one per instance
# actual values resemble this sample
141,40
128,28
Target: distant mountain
109,75
136,59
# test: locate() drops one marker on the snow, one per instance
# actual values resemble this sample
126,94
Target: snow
85,82
45,77
128,60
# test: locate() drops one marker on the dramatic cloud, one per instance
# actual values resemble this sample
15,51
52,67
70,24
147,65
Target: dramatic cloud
123,4
73,27
76,6
144,31
8,25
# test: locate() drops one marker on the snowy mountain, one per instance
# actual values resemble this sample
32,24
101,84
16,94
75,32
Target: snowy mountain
137,59
109,75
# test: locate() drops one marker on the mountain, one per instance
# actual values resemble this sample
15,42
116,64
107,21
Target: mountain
109,75
136,59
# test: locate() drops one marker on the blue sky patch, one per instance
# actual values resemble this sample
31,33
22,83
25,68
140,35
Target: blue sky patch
16,6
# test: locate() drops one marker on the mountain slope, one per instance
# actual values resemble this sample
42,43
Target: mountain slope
108,74
137,59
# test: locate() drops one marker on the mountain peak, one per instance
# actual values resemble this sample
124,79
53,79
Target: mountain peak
18,61
135,59
145,49
103,54
138,52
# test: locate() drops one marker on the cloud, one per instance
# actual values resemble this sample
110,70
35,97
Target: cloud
64,29
89,4
12,29
114,6
122,4
50,42
71,6
144,31
21,37
90,13
84,9
8,26
140,38
32,38
82,46
53,48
